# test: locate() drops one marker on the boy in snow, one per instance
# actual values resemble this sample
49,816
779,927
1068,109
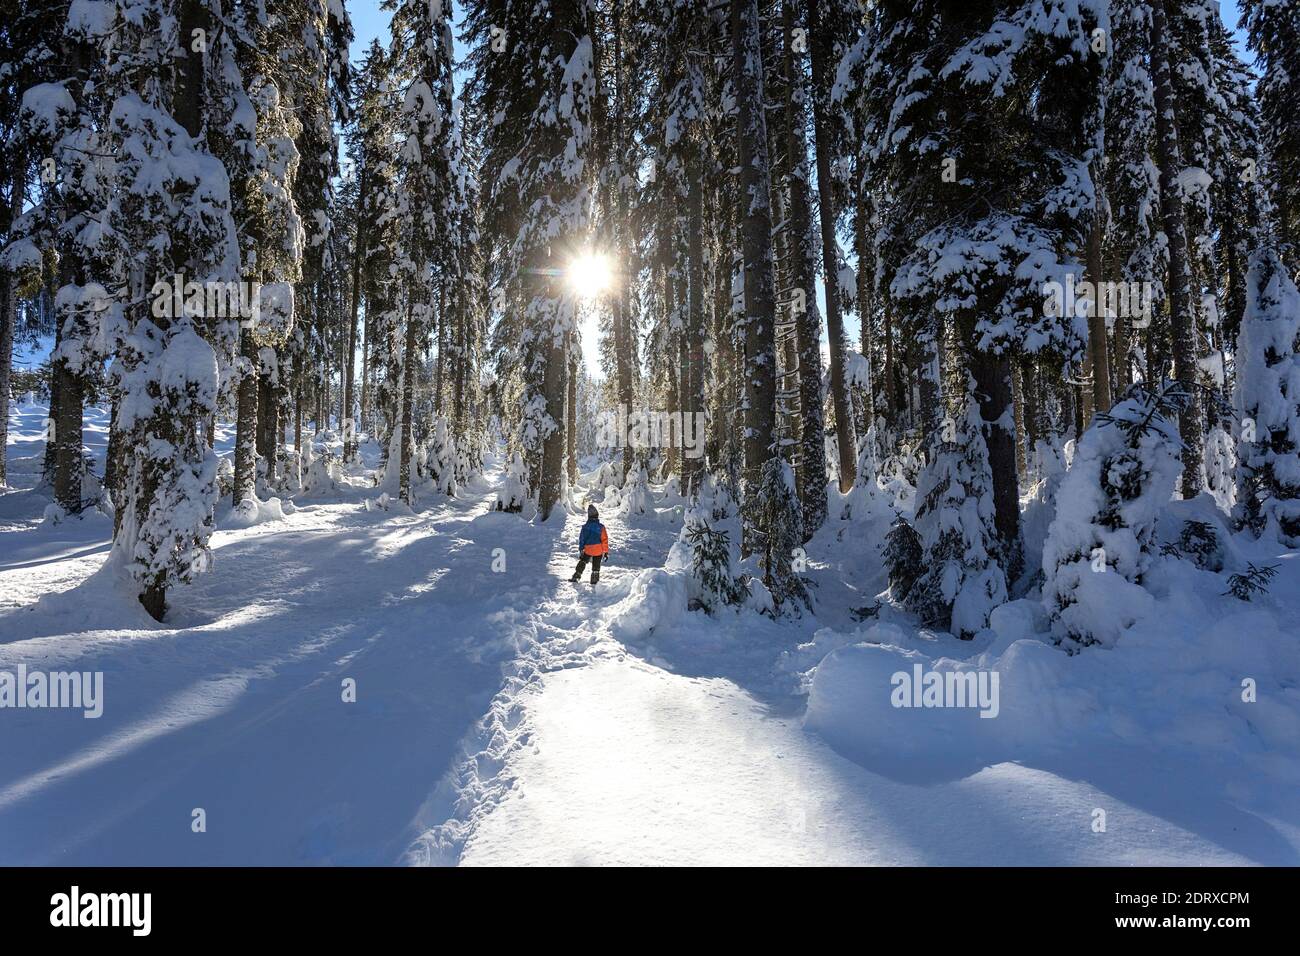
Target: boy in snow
593,544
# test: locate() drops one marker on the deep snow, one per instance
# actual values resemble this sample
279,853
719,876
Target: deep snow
511,717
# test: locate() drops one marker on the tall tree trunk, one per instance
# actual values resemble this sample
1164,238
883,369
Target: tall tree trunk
408,404
246,421
439,370
555,392
68,461
810,476
9,312
571,407
8,320
363,419
756,235
694,401
892,403
297,407
866,272
822,70
992,374
1018,406
1182,313
1098,351
349,425
267,426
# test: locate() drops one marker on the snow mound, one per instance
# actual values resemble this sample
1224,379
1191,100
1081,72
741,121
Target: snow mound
656,600
253,511
1214,688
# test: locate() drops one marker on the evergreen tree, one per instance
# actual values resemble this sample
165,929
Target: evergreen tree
1101,542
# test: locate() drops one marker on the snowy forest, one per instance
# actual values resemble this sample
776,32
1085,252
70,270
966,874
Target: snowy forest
920,362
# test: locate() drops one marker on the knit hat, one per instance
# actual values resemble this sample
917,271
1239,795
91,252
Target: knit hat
592,513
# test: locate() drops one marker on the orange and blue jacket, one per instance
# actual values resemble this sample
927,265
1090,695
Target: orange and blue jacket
593,539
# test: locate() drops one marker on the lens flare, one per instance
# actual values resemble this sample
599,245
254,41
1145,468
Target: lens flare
589,275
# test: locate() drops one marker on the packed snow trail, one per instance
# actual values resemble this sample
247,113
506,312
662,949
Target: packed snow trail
239,710
596,752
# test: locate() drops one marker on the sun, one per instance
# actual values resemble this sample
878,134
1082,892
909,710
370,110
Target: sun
589,275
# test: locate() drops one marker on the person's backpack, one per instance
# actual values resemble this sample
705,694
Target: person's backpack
594,539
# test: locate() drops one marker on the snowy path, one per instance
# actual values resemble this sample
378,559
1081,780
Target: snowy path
241,712
592,754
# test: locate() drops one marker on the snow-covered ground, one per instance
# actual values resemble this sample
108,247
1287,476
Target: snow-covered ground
505,716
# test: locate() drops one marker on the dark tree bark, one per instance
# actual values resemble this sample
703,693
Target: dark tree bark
810,476
358,253
1098,351
822,70
1182,313
758,329
409,347
246,422
693,364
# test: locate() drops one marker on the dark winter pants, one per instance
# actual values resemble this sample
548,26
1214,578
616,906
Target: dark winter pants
595,566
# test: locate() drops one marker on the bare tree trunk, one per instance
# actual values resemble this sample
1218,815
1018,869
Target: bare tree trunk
408,403
822,69
1098,351
9,313
756,236
267,426
358,252
246,422
1182,314
992,374
693,341
624,358
1018,406
68,461
866,269
555,391
571,432
810,476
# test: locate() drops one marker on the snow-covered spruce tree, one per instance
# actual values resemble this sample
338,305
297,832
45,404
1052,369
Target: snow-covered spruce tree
59,126
440,458
777,517
1273,31
372,146
168,213
514,496
534,76
904,556
1134,240
422,51
31,38
985,205
1100,544
1268,401
962,581
1166,57
710,535
317,77
465,300
263,159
